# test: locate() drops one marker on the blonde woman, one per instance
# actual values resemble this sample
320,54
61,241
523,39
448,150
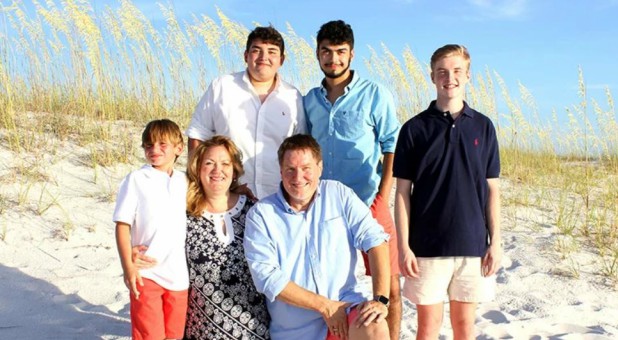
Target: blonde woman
223,302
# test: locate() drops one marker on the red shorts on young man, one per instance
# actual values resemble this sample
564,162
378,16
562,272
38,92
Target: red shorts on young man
382,213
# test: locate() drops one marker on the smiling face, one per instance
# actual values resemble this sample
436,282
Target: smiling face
335,59
450,75
300,175
263,60
162,154
216,170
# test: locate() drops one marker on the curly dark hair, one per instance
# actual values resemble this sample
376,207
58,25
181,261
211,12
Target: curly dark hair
268,35
337,32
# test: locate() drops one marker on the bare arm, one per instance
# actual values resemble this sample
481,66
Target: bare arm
493,257
374,311
130,272
193,143
407,260
386,183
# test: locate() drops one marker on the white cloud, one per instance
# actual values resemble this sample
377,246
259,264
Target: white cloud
499,9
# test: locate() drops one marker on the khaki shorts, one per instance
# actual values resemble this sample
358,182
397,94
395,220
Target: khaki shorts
459,277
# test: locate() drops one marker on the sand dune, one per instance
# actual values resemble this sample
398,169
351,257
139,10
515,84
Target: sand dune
60,277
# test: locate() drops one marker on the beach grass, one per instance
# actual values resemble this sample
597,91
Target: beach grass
70,74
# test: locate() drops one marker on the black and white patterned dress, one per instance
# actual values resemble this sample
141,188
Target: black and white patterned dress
223,302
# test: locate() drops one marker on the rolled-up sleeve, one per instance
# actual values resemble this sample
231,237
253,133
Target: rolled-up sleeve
262,256
384,114
366,231
202,126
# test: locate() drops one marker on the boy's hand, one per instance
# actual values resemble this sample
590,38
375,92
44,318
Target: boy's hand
407,263
132,278
140,260
492,259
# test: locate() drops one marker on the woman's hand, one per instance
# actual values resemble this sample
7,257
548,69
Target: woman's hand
140,260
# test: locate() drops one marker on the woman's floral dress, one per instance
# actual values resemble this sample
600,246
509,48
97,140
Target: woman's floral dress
223,302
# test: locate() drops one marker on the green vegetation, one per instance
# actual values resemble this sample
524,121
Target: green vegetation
68,74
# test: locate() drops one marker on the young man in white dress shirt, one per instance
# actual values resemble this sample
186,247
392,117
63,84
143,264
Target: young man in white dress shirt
255,108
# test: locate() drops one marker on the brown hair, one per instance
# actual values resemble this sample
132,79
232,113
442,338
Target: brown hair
450,50
299,142
195,191
161,130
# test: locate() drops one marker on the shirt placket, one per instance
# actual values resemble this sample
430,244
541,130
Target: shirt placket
312,250
259,144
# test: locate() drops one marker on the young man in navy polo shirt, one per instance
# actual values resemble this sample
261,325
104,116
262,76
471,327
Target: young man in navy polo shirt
447,203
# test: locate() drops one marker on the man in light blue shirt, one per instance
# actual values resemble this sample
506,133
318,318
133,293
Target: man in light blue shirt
355,122
301,245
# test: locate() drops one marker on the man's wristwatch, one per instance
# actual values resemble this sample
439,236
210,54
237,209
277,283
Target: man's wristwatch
381,298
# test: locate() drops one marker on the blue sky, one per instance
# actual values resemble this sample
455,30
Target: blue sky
540,43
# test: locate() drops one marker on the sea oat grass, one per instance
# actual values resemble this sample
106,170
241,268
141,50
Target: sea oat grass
70,74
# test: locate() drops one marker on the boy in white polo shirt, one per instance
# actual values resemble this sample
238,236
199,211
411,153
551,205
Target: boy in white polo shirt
150,211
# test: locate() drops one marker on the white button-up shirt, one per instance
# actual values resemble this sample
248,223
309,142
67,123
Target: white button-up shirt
232,108
154,205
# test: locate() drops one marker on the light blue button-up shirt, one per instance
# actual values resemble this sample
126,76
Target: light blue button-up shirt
310,249
353,133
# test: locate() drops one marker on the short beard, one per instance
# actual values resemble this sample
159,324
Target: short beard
336,75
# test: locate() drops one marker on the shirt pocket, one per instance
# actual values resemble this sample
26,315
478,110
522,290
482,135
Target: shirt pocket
350,123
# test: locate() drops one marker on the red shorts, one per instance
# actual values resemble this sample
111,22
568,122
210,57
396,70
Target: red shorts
159,313
382,213
351,317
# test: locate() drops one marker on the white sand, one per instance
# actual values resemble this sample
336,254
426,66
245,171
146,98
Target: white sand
53,288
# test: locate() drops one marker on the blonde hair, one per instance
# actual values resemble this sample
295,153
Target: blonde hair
450,50
160,130
195,192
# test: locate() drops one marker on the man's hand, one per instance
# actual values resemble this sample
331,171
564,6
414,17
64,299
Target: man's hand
370,311
407,263
336,318
140,260
492,260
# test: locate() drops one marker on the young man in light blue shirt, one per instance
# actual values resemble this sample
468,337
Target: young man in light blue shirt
355,123
301,245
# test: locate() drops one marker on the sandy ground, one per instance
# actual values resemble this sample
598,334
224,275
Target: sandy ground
60,277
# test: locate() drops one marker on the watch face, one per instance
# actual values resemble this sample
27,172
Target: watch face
381,298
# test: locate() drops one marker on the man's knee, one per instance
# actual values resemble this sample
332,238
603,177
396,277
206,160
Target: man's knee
374,331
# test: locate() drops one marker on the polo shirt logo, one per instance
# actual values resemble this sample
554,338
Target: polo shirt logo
476,142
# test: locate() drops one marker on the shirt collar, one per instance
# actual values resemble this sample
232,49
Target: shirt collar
347,88
286,206
247,80
466,111
152,172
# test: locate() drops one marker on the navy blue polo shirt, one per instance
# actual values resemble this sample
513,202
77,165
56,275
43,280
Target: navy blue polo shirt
448,162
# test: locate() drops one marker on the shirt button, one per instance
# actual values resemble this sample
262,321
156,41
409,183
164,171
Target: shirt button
444,114
453,126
